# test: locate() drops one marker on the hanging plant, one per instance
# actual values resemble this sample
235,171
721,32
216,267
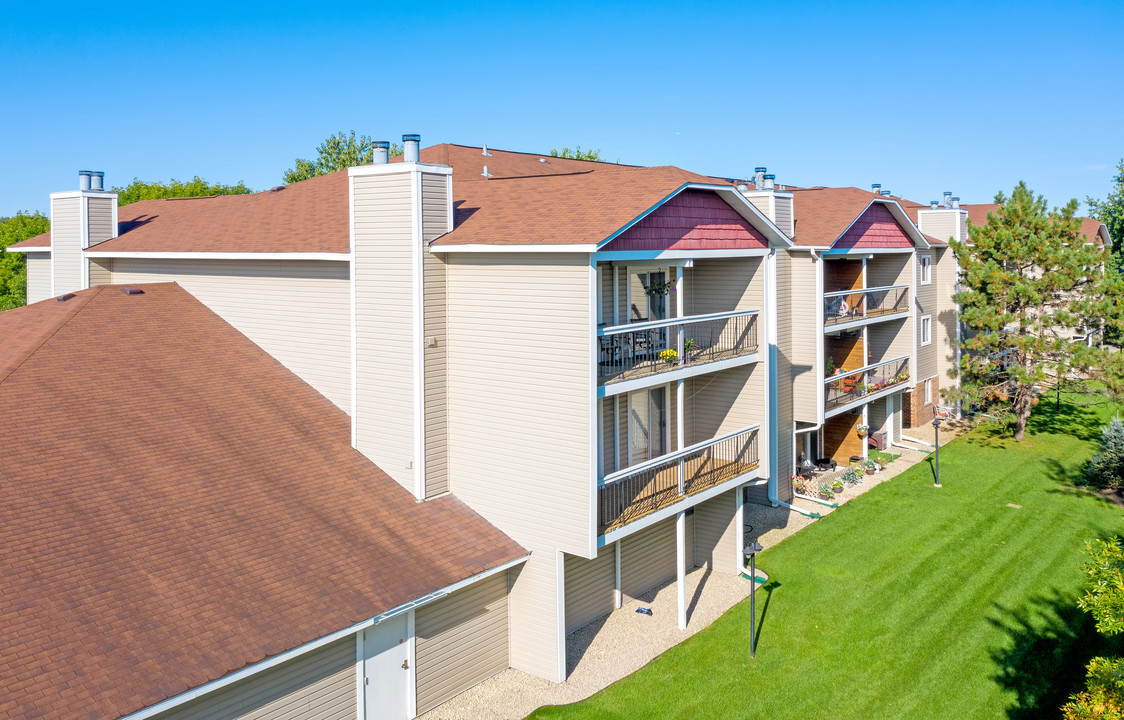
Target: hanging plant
862,430
659,288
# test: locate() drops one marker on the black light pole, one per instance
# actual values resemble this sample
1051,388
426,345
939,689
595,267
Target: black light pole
751,550
937,451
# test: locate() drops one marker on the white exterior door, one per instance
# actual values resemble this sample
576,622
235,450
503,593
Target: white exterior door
386,670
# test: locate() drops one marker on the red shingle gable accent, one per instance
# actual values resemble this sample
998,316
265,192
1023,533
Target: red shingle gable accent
875,228
692,220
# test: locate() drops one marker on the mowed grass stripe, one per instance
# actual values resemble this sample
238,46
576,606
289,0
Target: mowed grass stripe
910,602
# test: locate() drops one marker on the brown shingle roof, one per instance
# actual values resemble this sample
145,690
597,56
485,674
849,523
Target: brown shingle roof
175,505
43,241
822,214
1089,227
559,201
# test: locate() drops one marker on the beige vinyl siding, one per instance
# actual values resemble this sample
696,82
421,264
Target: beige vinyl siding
590,587
319,685
885,269
534,622
648,556
435,223
521,441
782,413
876,416
761,202
940,225
384,322
889,340
724,401
945,318
101,271
101,219
724,285
926,303
38,276
964,237
784,214
716,541
297,311
801,297
606,299
461,640
521,394
66,245
622,296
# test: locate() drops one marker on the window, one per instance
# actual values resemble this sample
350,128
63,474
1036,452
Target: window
926,329
928,391
926,264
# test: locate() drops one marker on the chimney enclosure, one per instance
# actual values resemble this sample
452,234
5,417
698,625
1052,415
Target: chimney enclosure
411,151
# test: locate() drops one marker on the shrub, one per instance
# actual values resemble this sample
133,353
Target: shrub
1106,469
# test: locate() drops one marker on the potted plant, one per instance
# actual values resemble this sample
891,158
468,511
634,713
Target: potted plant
862,430
689,346
851,477
669,356
798,485
837,486
825,492
829,367
659,288
872,467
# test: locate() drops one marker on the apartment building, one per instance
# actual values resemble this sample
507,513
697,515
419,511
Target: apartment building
855,305
585,355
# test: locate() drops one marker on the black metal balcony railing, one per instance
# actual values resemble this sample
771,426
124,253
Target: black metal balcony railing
634,492
633,351
849,305
845,388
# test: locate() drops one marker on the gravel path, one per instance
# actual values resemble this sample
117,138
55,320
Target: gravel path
622,642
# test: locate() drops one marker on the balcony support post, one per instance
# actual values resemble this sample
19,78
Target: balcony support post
618,600
680,432
681,566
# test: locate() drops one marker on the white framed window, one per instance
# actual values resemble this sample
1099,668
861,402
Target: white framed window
928,391
926,329
925,263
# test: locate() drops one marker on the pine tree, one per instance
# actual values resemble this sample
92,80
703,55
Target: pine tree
1029,284
1106,469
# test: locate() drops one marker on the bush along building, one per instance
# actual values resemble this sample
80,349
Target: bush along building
347,447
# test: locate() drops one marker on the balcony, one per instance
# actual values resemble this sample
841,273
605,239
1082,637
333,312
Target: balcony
630,352
854,308
844,389
630,494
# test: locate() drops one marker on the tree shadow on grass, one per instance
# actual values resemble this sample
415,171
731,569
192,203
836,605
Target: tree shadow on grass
1068,419
1050,641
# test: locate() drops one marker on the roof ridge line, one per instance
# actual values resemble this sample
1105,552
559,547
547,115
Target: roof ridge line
65,321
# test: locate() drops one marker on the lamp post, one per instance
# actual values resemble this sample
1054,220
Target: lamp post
937,450
751,550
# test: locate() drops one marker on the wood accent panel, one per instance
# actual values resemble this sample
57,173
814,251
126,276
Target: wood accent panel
846,353
842,275
840,441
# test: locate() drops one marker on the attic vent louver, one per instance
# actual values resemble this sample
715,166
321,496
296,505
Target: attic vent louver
64,297
132,290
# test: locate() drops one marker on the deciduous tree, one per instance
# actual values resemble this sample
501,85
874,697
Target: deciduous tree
139,190
1103,698
577,154
1110,210
13,265
338,152
1028,282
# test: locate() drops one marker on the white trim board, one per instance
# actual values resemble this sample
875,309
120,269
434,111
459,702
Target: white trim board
399,167
136,254
318,643
435,247
29,249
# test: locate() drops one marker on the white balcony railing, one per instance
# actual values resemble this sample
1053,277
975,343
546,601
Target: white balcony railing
648,348
632,493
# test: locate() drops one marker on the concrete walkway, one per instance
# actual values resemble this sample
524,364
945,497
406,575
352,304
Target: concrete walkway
623,641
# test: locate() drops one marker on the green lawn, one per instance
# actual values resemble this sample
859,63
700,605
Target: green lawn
910,602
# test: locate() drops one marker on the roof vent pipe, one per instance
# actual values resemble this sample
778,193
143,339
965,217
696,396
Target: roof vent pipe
411,148
486,153
875,188
947,199
933,204
770,182
97,181
381,154
83,179
759,178
885,193
956,203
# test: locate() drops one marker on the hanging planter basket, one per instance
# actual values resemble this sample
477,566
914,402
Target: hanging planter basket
862,430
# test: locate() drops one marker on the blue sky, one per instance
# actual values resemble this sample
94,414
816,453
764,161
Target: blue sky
921,98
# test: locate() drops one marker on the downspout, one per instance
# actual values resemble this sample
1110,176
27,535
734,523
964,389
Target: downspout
771,355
